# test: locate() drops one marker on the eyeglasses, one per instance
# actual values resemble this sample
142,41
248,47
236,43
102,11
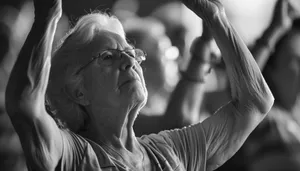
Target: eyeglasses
108,56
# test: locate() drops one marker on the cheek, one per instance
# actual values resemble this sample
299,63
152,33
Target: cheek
139,70
100,82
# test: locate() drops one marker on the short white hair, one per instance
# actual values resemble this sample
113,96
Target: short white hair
65,63
90,24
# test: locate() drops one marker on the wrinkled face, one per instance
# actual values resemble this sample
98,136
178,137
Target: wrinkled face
119,84
285,74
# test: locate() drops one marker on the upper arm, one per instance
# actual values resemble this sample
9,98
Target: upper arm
39,134
25,100
227,130
41,141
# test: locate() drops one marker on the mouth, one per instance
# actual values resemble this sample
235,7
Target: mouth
130,77
129,81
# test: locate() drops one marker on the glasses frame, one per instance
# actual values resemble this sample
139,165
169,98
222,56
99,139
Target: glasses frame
141,57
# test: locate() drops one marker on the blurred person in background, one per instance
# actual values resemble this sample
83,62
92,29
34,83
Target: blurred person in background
278,53
155,117
160,71
11,36
177,28
100,118
169,14
160,68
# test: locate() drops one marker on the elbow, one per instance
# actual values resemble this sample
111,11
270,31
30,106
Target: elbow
260,101
268,103
258,95
264,102
266,99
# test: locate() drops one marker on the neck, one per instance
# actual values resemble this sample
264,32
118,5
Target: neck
113,128
118,141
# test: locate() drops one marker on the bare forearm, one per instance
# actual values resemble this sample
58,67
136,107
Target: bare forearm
246,81
30,69
39,135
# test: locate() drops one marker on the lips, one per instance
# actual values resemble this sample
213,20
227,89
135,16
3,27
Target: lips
128,81
131,77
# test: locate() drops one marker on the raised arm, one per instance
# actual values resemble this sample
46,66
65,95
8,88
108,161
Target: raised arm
281,23
229,127
25,94
186,99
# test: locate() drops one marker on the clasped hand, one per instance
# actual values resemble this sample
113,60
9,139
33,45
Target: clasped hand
284,14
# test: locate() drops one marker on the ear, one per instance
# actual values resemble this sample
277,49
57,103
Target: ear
77,95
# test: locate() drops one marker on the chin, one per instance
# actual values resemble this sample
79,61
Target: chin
137,94
140,97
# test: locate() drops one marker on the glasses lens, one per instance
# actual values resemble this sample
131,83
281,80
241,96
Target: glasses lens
106,57
140,56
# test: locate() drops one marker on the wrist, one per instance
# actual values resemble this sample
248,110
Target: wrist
200,50
196,72
194,79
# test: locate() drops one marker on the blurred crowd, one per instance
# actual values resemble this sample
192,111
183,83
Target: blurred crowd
162,34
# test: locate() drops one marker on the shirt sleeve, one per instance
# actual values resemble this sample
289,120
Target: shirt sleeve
74,149
188,144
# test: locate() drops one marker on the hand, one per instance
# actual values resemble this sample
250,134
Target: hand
284,15
47,8
205,9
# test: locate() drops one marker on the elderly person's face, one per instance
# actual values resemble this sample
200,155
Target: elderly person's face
113,78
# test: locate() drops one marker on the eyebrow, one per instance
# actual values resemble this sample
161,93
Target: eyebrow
125,49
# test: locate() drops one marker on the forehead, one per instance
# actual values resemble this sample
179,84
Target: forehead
107,40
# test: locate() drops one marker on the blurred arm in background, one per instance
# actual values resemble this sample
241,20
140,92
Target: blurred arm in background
184,104
281,23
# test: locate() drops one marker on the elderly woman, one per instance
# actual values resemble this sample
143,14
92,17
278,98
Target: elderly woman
96,86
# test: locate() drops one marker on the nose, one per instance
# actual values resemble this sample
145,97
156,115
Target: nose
127,62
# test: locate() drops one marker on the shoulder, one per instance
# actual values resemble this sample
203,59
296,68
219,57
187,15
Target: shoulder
184,148
83,154
77,153
174,137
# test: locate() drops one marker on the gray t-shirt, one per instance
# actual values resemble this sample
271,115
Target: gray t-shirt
175,150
